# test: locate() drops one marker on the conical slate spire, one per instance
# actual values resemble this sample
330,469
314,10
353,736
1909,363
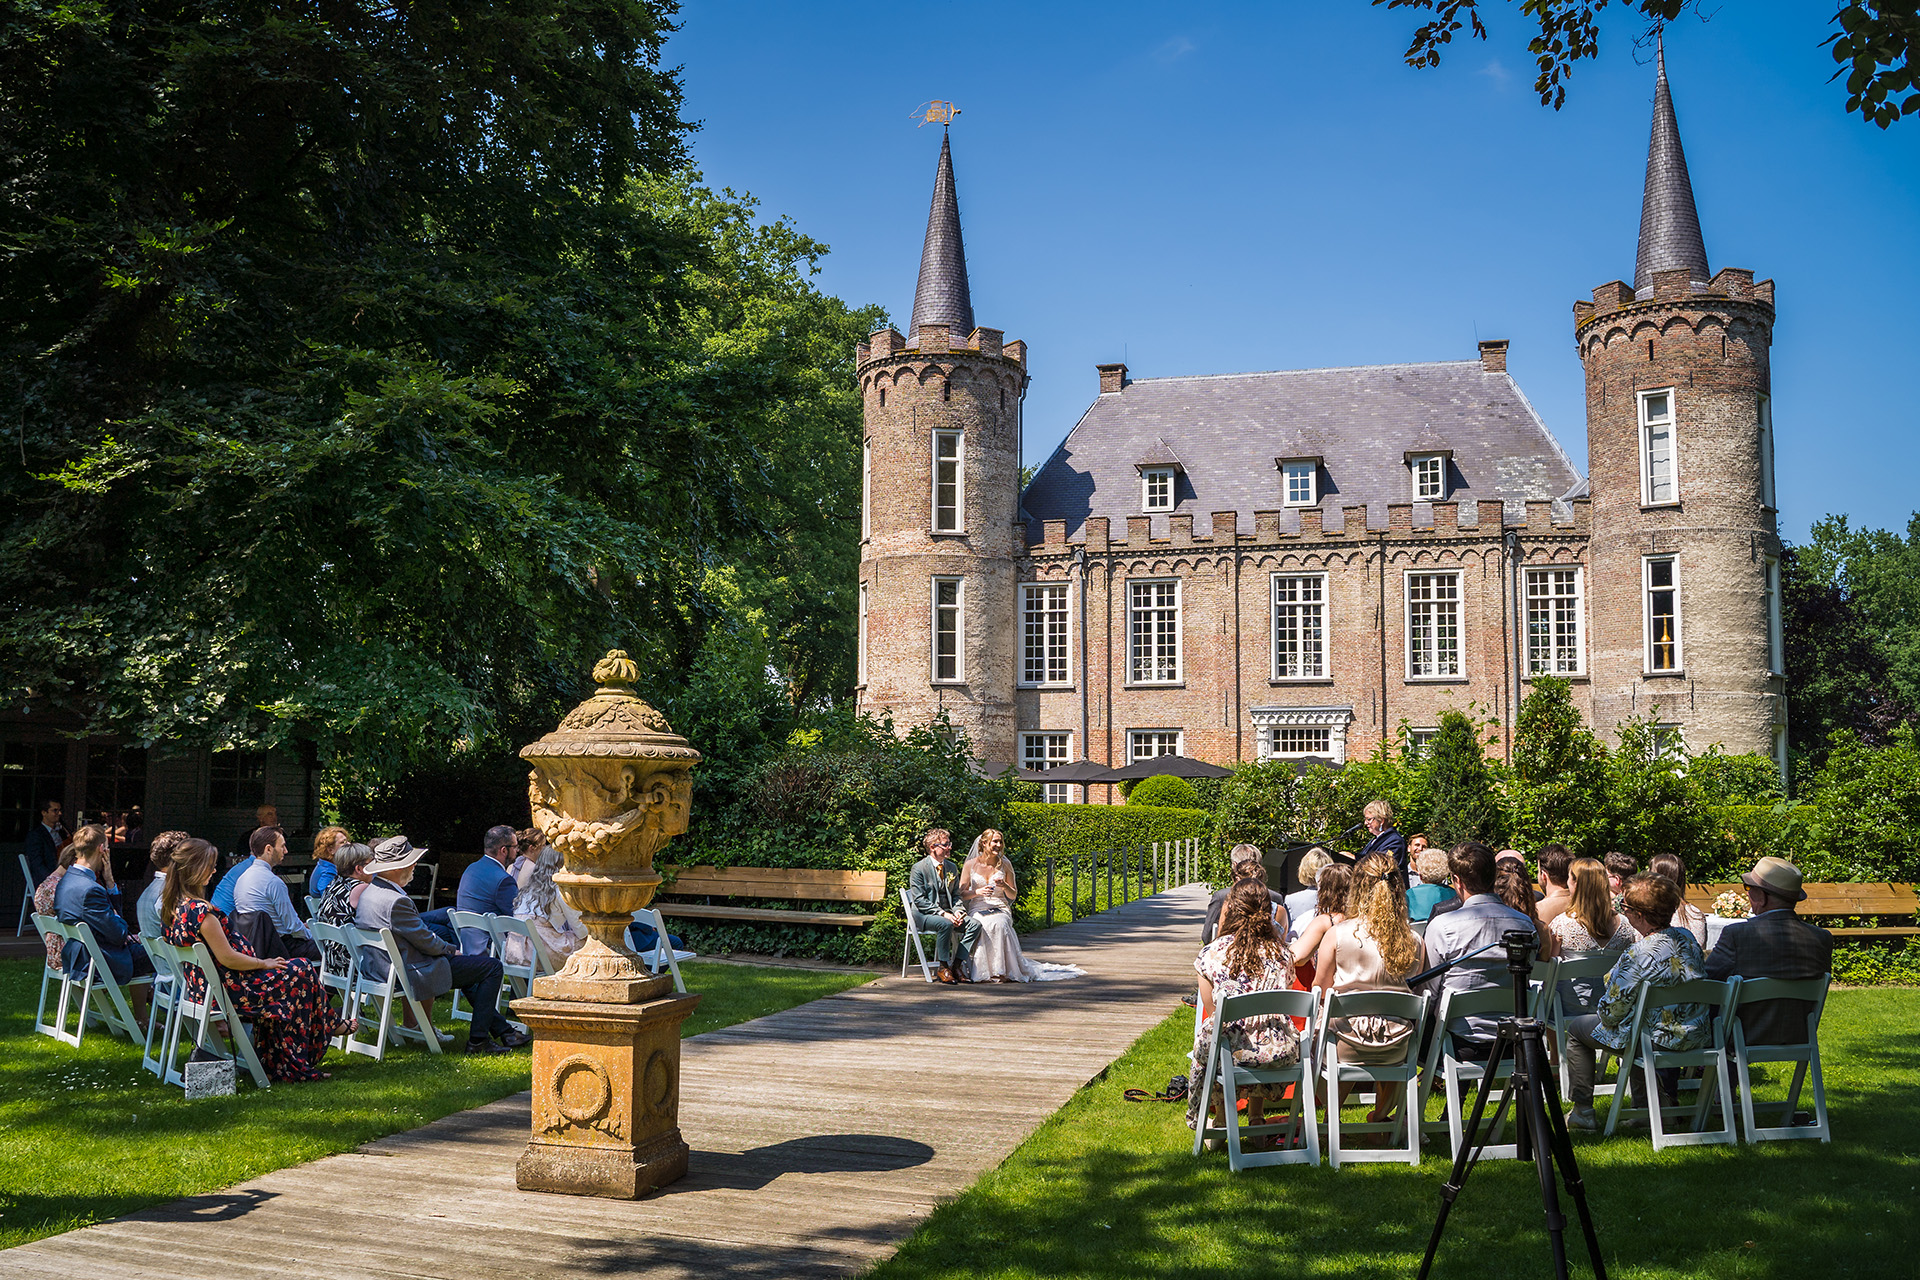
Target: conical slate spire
1669,224
942,297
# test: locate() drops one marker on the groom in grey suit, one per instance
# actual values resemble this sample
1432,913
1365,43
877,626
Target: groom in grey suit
930,889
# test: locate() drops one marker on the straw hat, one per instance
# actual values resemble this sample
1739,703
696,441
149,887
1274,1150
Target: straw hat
1777,876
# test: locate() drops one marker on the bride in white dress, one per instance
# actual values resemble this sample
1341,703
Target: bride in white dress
988,892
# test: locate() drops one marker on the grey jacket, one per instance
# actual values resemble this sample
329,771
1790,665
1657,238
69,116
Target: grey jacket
930,888
384,905
1778,944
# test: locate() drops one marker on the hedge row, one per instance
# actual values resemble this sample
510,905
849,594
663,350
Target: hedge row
1062,830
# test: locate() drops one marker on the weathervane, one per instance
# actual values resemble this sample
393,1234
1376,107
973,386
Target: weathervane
935,112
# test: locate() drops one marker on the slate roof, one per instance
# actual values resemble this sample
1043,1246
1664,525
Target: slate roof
1228,428
942,296
1669,223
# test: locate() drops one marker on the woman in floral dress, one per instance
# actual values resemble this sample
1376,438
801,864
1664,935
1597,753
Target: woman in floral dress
283,999
1247,955
1665,956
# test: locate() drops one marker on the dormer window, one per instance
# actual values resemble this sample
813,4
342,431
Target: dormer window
1299,481
1156,488
1429,476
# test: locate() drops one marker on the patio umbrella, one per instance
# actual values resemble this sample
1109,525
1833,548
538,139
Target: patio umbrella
1178,766
1078,771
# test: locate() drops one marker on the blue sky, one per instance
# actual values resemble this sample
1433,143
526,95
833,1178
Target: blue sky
1215,188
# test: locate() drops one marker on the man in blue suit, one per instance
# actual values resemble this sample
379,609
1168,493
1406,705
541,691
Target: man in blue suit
43,843
83,898
485,887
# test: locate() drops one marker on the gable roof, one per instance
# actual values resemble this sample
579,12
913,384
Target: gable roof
1228,428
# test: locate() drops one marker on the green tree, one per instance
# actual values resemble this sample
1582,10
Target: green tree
1873,42
1866,803
1462,798
1652,807
1839,673
1256,804
1559,787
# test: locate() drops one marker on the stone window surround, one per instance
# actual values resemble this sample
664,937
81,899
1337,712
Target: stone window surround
1337,719
1679,666
959,461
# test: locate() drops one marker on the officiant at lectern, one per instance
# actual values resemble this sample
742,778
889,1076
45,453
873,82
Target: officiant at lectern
1379,819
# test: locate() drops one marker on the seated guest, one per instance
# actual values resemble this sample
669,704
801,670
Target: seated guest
1249,954
1554,860
146,910
1621,867
342,899
324,843
539,902
1689,917
1479,921
1373,949
1302,902
433,965
1245,864
527,846
936,900
1662,956
291,1017
1511,886
1589,922
1416,845
222,898
87,895
1773,942
45,896
436,919
1329,909
262,906
485,887
1431,866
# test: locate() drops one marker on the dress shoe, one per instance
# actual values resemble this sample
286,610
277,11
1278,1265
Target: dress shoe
484,1045
514,1040
945,974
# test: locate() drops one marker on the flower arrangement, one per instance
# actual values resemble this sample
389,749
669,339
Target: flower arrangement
1731,905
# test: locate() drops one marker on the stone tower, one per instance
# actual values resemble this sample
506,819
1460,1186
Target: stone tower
1684,559
940,497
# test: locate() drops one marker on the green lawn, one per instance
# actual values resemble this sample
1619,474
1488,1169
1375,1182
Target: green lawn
1107,1188
87,1135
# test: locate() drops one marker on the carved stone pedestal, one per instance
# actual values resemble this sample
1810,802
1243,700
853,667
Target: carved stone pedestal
606,1094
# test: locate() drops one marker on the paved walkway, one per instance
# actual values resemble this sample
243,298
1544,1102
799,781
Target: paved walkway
821,1137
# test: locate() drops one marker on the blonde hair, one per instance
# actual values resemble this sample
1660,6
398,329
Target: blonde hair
1591,903
1312,863
88,840
329,841
1384,918
1368,872
1377,809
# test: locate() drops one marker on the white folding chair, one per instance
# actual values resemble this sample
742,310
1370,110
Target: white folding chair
381,991
114,1012
50,927
1302,1123
163,1011
1643,1053
424,898
344,983
26,895
1582,968
1454,1073
914,933
313,908
215,1006
461,922
664,952
1805,1056
1402,1005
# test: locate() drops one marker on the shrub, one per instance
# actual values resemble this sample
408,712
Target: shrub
1061,830
1866,802
1461,800
1884,963
1257,805
1164,791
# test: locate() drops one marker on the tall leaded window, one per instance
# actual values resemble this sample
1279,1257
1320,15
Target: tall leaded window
1776,642
1433,625
1043,751
1156,489
1300,740
949,601
949,491
866,489
1153,632
861,655
1043,633
1299,626
1766,452
1662,612
1554,645
1658,481
1145,744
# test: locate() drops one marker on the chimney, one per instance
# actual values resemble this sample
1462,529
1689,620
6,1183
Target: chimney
1113,377
1493,355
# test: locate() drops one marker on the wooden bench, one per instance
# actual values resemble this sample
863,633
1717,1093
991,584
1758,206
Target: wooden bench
785,884
1877,900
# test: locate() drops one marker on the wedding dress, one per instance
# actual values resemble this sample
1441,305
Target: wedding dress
988,888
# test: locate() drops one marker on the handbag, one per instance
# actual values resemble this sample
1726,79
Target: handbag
208,1075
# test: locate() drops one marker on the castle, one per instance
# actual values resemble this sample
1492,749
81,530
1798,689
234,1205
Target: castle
1295,564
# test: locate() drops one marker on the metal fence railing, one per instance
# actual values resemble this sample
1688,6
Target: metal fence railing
1077,885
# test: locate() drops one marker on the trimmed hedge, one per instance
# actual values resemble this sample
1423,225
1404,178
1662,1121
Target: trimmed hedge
1061,830
1164,791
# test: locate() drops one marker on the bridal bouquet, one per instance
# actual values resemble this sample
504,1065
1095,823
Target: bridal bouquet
1731,905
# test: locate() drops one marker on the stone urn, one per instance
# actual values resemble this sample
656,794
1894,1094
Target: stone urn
609,788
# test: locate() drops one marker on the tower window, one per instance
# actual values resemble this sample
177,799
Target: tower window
861,654
1429,477
1433,626
883,397
1553,622
1156,485
1662,592
949,494
949,601
1776,640
946,390
1766,452
1659,482
866,489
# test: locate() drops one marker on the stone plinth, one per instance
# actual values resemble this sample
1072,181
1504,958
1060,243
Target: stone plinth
606,1095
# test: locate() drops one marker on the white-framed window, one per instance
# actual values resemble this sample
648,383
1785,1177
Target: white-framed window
1659,470
1301,482
1766,452
1668,740
1153,631
1433,625
949,630
1046,751
862,652
1299,626
1044,634
1418,740
866,489
1776,640
1156,488
949,480
1300,740
1660,576
1554,641
1145,744
1429,476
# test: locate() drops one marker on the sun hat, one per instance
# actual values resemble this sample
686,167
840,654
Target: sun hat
392,854
1777,876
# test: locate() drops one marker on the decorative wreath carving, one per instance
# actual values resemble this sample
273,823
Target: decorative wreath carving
582,1095
658,1087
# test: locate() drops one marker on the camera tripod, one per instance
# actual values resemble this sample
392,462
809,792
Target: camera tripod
1539,1125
